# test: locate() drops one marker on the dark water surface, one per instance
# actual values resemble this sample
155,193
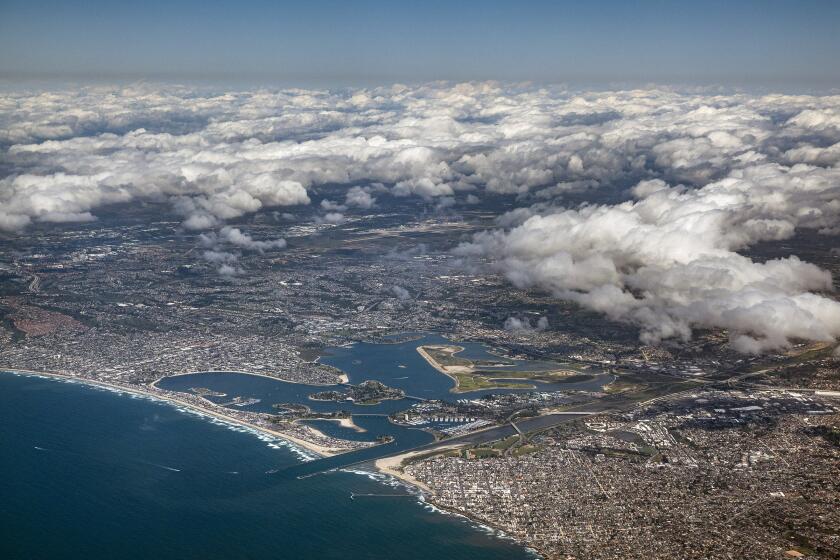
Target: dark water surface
87,473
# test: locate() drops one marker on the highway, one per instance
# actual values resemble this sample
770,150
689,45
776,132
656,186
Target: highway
526,426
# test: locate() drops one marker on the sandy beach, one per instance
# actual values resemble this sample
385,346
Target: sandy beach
345,423
341,378
392,466
389,465
447,371
156,393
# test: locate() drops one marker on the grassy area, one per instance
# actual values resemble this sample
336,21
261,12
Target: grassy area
621,386
505,443
430,454
815,351
635,387
474,375
659,390
476,381
484,452
471,382
552,376
445,355
499,448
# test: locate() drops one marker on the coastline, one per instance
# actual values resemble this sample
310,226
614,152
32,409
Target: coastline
143,391
432,362
342,379
390,466
486,526
463,369
523,382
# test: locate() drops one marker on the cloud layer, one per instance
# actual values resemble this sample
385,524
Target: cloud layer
667,260
713,173
218,156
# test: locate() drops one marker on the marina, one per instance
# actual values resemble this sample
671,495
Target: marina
396,365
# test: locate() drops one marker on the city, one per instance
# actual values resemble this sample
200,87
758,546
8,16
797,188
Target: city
369,280
700,431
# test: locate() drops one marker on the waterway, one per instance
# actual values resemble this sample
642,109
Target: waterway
397,365
89,473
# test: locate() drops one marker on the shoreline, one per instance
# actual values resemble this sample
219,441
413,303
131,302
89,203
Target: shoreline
388,466
342,379
343,422
143,391
471,370
391,466
487,526
434,363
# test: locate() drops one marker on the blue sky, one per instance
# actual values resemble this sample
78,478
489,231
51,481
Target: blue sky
742,43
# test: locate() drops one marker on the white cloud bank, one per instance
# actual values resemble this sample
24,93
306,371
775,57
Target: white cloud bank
667,260
714,173
218,156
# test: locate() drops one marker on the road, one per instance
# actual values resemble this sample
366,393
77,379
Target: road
526,426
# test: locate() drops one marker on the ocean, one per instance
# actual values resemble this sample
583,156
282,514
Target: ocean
90,473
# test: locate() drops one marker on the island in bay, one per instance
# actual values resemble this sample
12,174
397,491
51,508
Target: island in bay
368,392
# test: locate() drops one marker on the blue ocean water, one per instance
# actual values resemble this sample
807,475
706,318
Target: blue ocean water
87,473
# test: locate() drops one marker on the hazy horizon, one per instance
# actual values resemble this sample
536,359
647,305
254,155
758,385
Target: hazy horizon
775,45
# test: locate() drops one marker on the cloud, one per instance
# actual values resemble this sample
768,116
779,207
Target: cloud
417,251
444,202
226,262
216,157
200,221
424,187
685,181
333,218
401,293
331,206
523,325
668,260
234,236
360,198
220,257
817,119
228,271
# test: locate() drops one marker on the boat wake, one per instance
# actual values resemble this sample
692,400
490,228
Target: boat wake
173,469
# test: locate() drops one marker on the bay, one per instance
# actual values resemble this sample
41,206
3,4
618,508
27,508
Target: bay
88,473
